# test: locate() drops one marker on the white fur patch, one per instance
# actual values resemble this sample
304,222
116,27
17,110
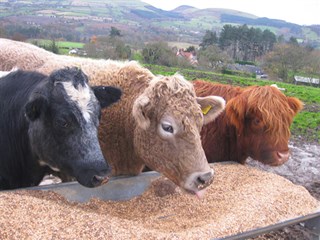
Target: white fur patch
81,96
5,73
42,163
276,86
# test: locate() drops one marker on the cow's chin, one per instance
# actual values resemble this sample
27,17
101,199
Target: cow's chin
191,187
199,193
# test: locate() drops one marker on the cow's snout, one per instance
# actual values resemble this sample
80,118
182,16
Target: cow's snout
198,181
97,180
205,179
274,158
283,156
93,176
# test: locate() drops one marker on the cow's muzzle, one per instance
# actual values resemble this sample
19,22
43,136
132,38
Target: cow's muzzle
204,180
198,181
97,180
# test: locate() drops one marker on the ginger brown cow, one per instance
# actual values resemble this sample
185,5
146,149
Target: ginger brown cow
256,123
156,123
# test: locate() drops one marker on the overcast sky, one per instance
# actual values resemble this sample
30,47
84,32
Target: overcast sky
303,12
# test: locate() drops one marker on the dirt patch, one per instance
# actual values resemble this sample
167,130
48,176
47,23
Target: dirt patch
311,107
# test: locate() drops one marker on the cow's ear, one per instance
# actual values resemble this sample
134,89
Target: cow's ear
35,106
211,107
106,95
139,111
236,111
295,104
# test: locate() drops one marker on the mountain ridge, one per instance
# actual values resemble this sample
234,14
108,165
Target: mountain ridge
135,16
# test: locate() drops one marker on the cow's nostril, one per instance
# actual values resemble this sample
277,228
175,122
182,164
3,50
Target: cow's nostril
200,180
99,180
283,155
204,180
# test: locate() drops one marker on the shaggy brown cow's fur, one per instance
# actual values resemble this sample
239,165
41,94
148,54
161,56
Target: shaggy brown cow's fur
256,123
156,123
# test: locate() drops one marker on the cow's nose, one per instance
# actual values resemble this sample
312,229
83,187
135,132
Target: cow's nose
205,179
99,180
283,156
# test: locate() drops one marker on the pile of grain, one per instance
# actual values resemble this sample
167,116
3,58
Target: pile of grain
241,198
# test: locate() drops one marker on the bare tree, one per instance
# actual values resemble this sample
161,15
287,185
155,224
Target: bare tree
312,64
213,57
285,61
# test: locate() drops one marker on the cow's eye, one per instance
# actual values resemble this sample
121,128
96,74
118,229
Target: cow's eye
256,121
62,123
167,127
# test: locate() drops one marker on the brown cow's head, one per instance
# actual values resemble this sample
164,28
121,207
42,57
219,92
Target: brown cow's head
167,136
262,117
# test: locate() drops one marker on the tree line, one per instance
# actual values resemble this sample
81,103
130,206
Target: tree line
241,42
281,59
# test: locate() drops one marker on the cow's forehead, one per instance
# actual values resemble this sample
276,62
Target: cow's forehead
81,96
175,96
273,109
185,111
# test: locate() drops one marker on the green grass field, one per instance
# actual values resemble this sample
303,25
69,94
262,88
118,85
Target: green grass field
64,46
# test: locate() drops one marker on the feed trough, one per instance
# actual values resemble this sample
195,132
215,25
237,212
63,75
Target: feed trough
128,189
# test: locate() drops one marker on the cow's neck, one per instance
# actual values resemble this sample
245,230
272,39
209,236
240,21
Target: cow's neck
216,140
117,140
236,151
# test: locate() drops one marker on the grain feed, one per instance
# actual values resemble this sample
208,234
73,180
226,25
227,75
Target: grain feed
241,198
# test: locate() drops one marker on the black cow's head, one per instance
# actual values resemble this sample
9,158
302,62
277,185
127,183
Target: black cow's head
63,116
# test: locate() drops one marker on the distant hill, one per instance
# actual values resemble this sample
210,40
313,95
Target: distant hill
137,20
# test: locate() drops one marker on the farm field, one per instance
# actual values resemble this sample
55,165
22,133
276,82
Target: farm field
184,45
63,46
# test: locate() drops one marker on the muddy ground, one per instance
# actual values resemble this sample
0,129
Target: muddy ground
302,168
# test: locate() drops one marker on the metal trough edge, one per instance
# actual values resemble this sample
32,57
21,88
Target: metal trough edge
312,222
117,189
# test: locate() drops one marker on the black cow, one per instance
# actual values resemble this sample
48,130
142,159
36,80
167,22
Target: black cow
51,123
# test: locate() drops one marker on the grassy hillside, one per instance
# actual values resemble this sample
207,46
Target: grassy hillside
185,23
